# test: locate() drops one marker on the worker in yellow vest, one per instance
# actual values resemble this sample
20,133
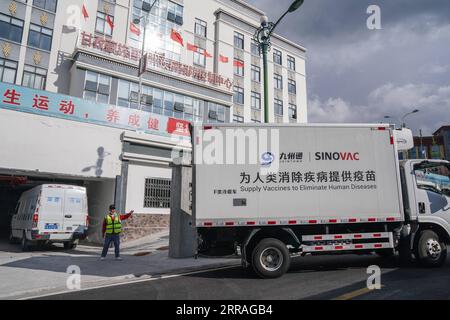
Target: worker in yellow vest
112,227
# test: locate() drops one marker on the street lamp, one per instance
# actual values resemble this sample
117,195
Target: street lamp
395,119
146,7
408,114
262,38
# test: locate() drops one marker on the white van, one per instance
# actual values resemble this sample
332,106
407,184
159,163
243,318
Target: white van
50,213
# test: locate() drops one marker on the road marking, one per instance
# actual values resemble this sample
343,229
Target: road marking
152,278
354,294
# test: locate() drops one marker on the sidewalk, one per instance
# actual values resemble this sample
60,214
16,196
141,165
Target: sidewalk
43,272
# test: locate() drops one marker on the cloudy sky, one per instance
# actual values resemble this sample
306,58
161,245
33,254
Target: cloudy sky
359,75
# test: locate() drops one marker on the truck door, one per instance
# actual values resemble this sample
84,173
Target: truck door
433,191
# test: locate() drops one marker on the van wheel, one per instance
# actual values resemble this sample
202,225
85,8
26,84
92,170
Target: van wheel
25,243
270,258
12,240
430,250
69,245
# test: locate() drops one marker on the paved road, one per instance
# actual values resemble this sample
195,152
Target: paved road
322,277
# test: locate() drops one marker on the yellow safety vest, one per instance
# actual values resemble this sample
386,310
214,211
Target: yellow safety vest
113,226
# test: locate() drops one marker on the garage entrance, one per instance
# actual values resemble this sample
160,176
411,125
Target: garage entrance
11,188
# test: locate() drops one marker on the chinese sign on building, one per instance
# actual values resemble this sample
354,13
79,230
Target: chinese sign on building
45,103
154,60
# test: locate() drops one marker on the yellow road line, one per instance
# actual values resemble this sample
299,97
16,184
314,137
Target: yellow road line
354,294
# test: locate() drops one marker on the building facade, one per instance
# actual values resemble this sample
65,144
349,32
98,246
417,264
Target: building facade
436,146
201,65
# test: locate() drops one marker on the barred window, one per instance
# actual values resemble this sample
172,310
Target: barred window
157,193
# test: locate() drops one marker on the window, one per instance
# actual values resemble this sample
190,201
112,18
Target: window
278,81
238,118
216,112
292,111
175,13
159,101
157,193
278,107
102,25
11,28
254,48
49,5
238,95
255,100
97,87
200,27
239,40
292,86
40,37
238,67
8,70
34,77
291,63
199,57
256,73
277,58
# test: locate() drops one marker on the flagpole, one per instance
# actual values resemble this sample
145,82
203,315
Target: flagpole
141,61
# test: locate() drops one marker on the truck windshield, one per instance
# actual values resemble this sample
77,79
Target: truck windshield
434,178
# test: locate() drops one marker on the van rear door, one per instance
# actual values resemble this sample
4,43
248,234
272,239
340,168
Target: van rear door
75,210
50,210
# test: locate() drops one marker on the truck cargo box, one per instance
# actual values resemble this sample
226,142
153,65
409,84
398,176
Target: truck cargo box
295,174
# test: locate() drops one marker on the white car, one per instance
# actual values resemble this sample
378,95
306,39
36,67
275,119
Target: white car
50,213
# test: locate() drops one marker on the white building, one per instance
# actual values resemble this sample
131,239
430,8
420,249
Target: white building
89,50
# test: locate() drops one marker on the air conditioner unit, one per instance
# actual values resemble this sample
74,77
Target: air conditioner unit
148,99
212,115
134,96
179,107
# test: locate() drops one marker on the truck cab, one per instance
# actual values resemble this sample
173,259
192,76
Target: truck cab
426,198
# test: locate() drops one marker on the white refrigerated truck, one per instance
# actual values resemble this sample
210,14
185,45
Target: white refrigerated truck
277,191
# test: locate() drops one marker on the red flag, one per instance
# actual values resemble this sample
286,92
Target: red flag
84,11
238,63
207,54
175,36
110,22
135,29
223,59
192,47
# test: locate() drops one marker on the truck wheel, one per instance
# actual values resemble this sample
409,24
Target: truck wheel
25,243
270,258
430,250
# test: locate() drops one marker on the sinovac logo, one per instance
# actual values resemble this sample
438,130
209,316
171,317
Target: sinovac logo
267,159
345,156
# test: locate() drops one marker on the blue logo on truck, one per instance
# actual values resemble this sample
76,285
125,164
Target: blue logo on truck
267,159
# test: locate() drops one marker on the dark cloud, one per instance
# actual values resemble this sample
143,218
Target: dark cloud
348,63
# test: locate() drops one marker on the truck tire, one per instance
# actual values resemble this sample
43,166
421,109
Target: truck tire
25,244
270,258
430,250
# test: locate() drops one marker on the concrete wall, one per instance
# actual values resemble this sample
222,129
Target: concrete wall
137,173
50,145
